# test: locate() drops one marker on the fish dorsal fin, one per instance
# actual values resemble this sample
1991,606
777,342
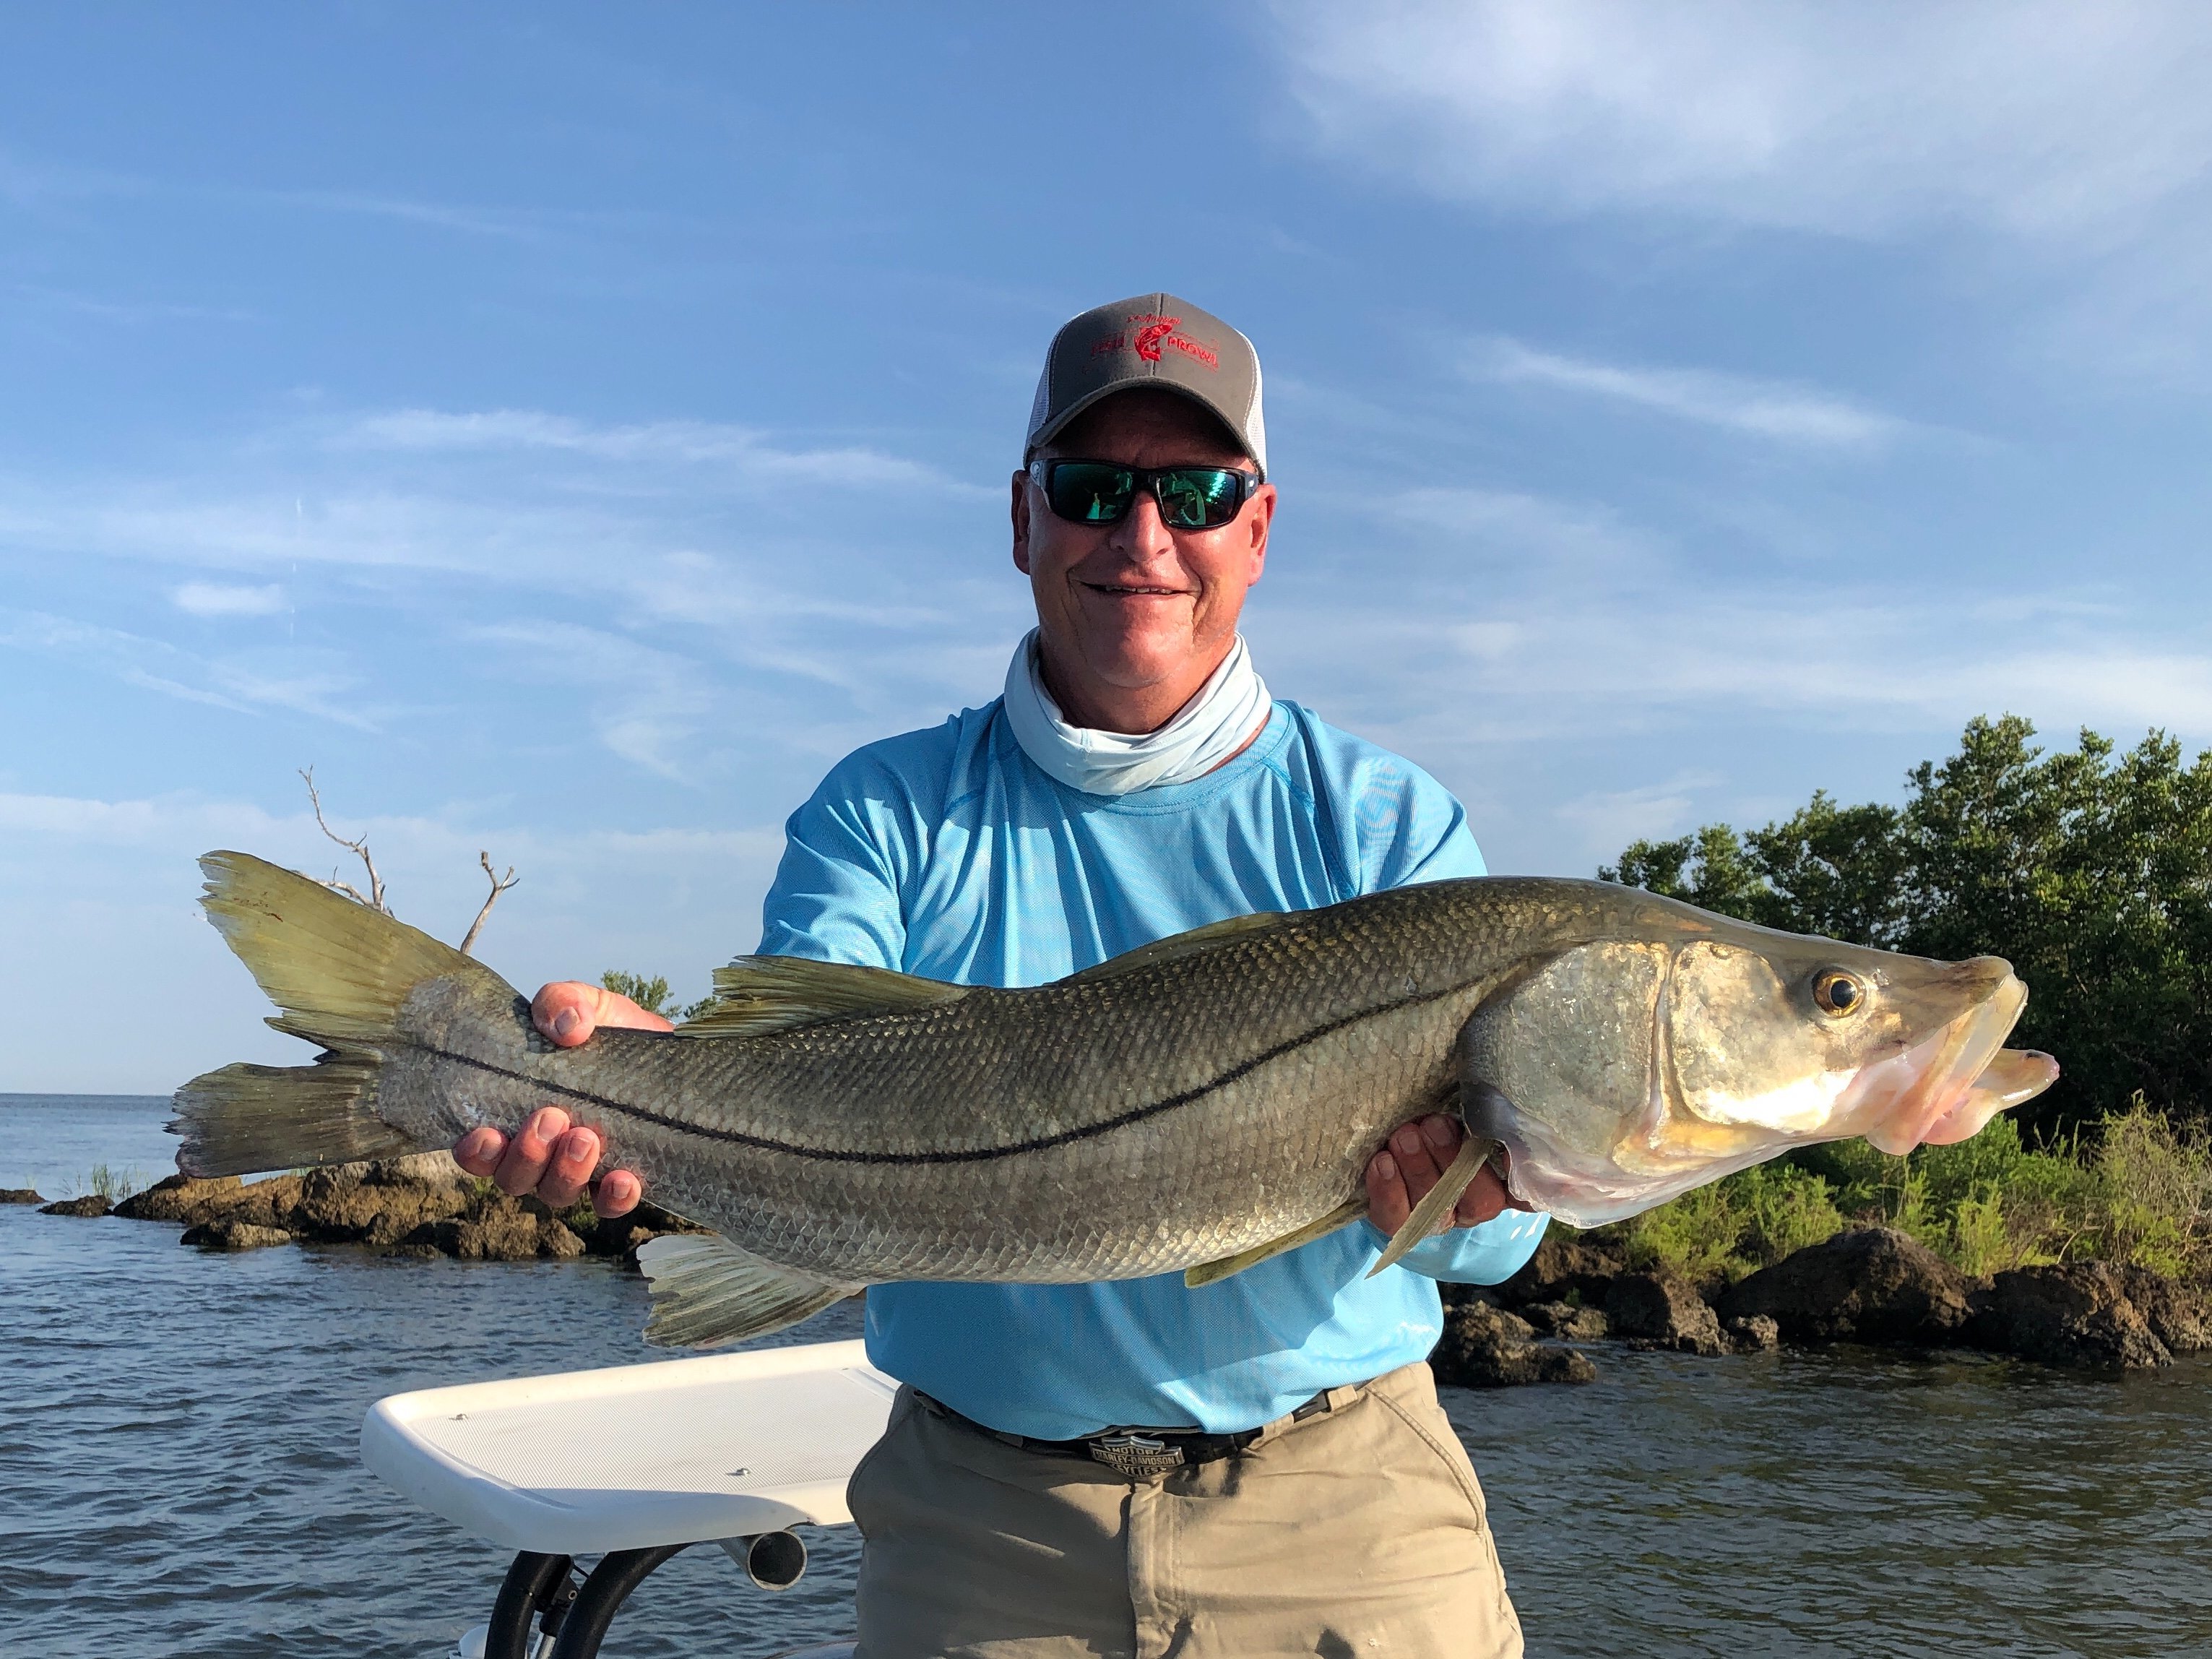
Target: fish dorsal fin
707,1291
757,995
1176,947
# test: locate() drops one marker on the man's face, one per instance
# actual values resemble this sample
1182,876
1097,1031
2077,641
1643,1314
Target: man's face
1134,605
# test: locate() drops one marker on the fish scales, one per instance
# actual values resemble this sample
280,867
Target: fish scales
1089,1129
1193,1104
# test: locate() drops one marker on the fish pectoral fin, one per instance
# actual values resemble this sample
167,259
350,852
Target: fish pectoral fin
757,995
1212,1272
707,1291
1428,1215
1197,941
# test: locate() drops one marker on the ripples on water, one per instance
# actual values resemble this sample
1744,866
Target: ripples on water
178,1472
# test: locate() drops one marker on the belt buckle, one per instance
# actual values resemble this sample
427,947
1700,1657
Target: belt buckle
1136,1457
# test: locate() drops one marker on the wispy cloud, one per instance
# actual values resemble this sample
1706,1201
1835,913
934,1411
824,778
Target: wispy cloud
2048,119
644,702
744,449
1775,410
294,680
222,599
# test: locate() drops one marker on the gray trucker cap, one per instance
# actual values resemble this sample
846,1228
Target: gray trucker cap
1152,340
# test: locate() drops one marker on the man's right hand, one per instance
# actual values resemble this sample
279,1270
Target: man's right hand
547,1155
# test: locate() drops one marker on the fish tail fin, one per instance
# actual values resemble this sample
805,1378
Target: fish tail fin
341,972
244,1119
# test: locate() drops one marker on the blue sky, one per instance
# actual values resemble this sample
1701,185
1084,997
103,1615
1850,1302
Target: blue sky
570,428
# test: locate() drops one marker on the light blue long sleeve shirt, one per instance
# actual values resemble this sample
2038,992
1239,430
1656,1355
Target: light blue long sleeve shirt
947,852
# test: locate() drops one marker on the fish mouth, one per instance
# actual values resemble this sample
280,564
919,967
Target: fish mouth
1945,1087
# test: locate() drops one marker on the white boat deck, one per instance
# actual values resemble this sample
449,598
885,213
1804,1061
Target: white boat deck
679,1452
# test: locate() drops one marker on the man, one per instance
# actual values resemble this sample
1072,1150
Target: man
1134,1468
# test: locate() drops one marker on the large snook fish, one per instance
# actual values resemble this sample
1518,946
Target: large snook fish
1196,1104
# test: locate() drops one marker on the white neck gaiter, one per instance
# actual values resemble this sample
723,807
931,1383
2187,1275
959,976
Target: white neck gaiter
1225,714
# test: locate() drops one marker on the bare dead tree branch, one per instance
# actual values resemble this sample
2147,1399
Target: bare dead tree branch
499,885
375,898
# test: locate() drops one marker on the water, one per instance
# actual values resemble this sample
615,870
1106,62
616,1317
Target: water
178,1473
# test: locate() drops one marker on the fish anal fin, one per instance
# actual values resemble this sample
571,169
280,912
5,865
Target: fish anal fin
1212,1272
1438,1202
707,1291
1175,948
757,995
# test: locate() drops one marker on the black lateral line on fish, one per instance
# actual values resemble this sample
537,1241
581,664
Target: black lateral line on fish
968,1155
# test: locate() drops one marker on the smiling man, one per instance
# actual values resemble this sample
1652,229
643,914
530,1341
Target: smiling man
1261,1466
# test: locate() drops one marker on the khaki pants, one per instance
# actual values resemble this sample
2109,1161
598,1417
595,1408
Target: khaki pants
1360,1531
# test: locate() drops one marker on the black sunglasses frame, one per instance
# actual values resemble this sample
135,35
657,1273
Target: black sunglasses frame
1150,478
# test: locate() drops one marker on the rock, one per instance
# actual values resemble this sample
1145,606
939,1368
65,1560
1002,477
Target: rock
1752,1333
232,1234
91,1204
1659,1311
379,1203
1567,1268
182,1198
1868,1284
2073,1316
18,1195
557,1240
1484,1346
1567,1321
2177,1312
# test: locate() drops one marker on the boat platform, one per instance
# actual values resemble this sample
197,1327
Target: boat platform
632,1464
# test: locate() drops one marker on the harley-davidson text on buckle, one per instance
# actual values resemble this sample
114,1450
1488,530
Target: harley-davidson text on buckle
1136,1457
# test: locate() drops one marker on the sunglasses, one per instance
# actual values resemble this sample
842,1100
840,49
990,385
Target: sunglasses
1102,492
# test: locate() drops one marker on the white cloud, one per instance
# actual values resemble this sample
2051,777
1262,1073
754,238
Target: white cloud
1774,410
742,450
223,599
302,681
643,703
2046,118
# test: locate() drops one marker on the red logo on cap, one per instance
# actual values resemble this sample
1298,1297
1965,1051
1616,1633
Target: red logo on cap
1155,330
1153,333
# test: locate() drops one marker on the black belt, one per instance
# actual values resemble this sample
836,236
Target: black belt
1134,1454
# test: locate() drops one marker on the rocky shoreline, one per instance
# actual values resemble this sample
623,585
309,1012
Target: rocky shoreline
422,1206
1866,1284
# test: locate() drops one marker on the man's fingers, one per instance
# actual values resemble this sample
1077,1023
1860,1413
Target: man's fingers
527,1155
618,1193
566,1011
479,1151
1388,1206
1416,1162
568,1171
1485,1197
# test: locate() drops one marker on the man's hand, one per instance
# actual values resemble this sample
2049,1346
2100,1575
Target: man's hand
1399,1176
547,1157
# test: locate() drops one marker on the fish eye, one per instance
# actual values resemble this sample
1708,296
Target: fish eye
1838,993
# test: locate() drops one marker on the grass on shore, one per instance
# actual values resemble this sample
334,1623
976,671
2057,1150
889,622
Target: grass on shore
2139,1191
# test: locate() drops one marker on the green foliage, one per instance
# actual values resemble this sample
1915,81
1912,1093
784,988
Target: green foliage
652,995
112,1184
1736,1225
2139,1190
2090,870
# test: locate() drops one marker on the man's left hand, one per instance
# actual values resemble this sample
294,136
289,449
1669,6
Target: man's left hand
1399,1176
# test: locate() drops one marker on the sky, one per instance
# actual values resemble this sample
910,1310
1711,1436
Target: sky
568,429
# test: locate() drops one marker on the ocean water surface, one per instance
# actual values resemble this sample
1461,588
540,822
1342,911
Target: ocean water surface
178,1473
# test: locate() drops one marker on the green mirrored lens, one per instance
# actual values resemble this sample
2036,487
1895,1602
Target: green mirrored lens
1088,493
1198,497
